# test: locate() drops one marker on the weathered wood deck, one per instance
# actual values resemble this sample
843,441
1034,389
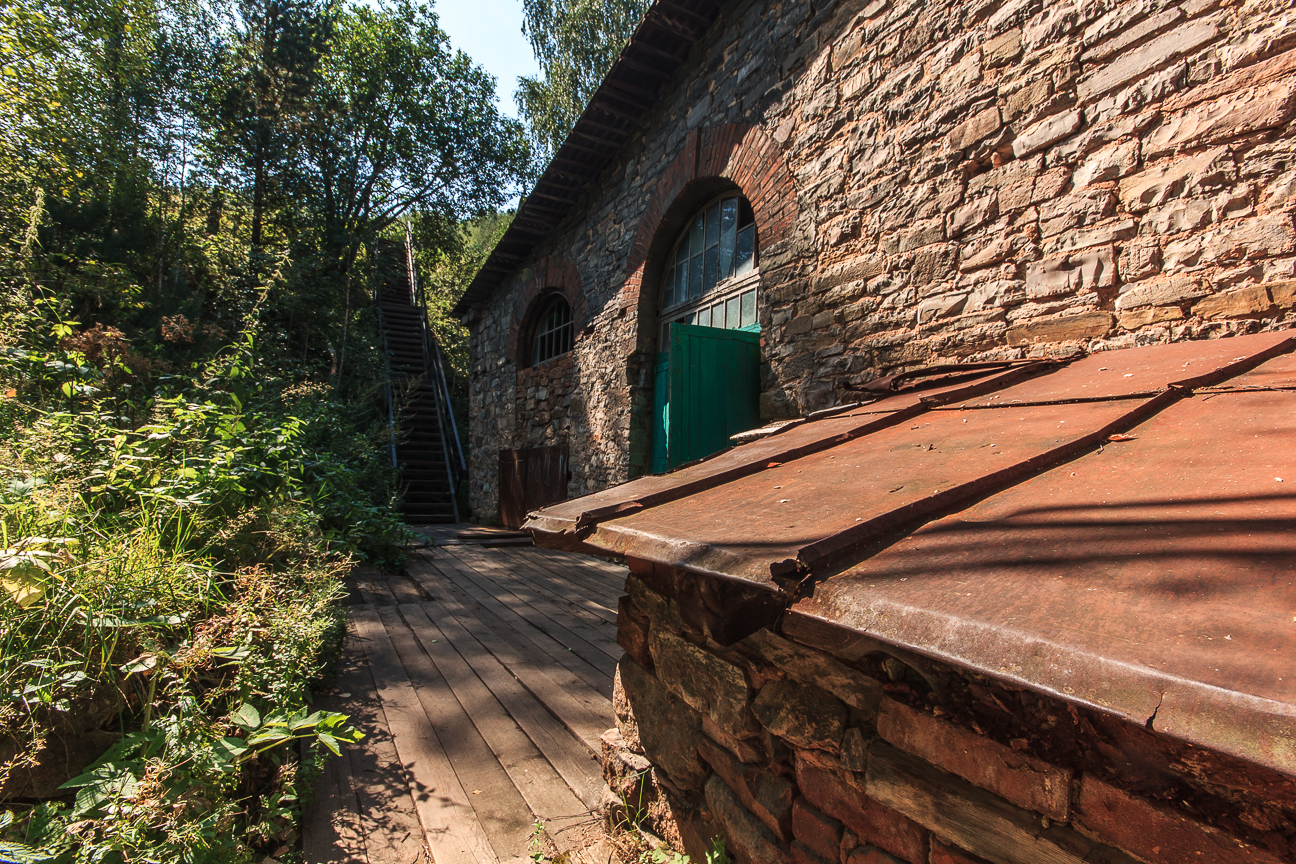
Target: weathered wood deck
483,680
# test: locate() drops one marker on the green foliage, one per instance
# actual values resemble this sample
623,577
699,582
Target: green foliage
576,42
401,122
192,445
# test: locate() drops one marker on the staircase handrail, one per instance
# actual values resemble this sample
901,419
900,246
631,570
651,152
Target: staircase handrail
432,366
391,411
434,358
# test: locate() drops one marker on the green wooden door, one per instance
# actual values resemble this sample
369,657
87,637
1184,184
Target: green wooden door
661,413
714,390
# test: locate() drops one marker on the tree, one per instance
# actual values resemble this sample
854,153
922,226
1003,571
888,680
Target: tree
576,43
400,122
257,116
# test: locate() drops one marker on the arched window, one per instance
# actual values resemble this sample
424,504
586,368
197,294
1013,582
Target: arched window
710,275
553,331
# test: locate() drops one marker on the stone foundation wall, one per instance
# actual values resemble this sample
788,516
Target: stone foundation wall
795,755
933,181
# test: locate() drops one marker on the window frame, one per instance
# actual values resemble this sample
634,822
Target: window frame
726,288
558,337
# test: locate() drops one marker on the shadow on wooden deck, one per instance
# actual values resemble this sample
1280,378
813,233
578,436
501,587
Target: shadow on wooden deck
482,678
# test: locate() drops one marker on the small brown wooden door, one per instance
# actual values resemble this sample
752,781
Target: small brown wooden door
530,479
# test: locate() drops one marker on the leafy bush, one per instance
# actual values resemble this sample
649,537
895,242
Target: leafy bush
174,544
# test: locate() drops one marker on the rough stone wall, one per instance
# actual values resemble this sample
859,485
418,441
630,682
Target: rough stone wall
968,180
793,754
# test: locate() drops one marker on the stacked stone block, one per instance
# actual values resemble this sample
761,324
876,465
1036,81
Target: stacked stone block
879,756
986,179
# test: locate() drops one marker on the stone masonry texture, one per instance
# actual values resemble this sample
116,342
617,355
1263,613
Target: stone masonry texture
887,757
932,181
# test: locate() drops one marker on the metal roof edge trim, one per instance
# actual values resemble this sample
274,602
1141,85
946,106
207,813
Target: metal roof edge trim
625,70
1265,740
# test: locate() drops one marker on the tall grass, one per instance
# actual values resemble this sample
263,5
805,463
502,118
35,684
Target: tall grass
174,580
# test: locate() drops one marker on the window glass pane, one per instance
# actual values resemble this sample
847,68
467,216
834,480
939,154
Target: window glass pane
713,225
746,250
681,282
748,309
731,313
681,253
696,235
695,277
668,295
745,215
728,227
704,318
712,272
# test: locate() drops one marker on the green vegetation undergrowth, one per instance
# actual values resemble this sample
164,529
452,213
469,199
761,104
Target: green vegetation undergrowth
171,581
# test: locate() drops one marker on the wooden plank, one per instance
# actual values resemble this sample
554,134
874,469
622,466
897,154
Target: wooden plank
482,568
594,581
371,584
499,808
598,597
612,568
449,822
586,718
562,591
403,589
515,612
564,666
330,828
382,826
565,753
608,582
546,794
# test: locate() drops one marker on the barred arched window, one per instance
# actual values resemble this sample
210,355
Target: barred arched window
553,329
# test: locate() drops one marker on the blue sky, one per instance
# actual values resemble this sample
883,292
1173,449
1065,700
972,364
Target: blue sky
490,32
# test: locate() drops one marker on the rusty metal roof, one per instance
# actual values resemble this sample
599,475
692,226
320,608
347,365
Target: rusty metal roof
662,41
1119,531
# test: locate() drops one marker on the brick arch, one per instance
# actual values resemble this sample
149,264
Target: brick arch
548,274
742,154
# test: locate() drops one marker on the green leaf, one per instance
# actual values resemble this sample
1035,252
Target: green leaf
330,742
246,717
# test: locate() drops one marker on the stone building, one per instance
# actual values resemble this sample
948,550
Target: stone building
927,181
915,630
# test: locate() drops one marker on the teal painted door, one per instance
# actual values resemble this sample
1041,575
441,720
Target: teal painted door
714,390
661,413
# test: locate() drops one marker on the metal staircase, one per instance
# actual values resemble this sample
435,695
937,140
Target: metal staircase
425,441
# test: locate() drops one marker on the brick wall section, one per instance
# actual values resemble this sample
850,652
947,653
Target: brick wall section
933,180
794,755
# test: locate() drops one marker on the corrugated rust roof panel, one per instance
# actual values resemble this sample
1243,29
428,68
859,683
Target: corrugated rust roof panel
858,492
1150,573
1156,576
790,443
1143,371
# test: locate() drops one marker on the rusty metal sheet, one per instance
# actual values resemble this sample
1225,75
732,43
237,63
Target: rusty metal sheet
790,443
1155,578
812,510
1277,373
1142,371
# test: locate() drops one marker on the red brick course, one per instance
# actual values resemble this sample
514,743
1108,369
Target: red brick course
942,854
816,829
1153,833
549,274
744,154
842,797
872,855
1024,780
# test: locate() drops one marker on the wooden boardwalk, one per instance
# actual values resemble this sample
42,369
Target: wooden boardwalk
483,680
